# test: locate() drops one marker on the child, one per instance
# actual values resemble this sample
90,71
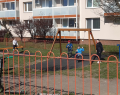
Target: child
15,44
69,46
79,50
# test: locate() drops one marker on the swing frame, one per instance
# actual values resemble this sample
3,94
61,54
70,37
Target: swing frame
73,29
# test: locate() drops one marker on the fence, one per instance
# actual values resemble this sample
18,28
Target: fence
59,75
28,42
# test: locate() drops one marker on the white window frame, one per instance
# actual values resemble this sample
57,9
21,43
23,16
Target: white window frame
92,5
27,7
91,23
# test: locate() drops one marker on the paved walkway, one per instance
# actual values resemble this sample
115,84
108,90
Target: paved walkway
64,64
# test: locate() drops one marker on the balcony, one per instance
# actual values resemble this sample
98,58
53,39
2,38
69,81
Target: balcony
55,11
9,14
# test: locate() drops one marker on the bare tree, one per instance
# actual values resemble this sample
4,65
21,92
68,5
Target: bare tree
38,27
3,33
42,27
19,28
4,24
30,26
111,9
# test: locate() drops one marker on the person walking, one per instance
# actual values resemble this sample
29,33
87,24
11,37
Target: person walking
99,49
69,46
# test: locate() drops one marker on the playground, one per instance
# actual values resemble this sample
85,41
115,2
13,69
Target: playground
30,66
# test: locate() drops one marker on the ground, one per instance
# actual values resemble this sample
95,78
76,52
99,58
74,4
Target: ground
79,85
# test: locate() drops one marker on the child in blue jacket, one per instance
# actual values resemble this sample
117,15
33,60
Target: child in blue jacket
79,50
69,46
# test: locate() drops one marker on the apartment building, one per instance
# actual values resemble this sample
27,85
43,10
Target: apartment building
64,14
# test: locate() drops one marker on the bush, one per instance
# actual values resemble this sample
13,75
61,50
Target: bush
7,35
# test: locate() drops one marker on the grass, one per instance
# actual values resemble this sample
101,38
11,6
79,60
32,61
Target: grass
33,47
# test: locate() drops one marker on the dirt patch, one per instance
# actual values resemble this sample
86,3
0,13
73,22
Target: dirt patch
48,84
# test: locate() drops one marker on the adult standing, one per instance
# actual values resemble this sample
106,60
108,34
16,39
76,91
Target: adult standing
15,44
69,46
99,49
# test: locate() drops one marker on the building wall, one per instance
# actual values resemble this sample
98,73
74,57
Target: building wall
108,31
24,15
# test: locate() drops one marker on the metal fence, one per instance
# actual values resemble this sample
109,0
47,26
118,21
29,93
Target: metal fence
57,75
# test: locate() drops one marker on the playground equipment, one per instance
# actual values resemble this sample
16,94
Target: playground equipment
11,48
74,29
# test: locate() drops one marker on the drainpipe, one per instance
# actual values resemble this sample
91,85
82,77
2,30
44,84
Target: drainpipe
76,21
15,10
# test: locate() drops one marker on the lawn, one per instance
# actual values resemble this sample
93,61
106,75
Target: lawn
33,47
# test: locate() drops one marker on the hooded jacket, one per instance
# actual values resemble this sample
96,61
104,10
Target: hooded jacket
69,46
99,47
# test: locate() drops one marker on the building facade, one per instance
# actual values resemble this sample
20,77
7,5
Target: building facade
64,14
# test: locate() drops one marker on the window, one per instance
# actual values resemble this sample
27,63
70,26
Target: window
12,6
71,22
68,2
43,3
10,22
65,22
8,6
92,3
93,23
48,3
28,6
71,2
37,3
64,2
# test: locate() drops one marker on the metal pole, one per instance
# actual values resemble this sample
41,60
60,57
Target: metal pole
15,10
60,42
119,54
76,20
89,44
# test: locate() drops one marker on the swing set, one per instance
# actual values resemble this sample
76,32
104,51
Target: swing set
74,29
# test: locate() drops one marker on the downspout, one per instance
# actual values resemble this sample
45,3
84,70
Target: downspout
76,21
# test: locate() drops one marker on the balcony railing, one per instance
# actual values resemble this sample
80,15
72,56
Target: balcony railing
10,13
69,10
